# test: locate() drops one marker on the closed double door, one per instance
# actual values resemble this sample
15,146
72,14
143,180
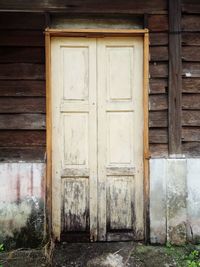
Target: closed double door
97,138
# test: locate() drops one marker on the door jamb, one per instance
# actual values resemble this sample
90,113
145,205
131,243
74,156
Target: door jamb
146,154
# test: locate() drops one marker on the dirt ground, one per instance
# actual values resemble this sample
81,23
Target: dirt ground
116,254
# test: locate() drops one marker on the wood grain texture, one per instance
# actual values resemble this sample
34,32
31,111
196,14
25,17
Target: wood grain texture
175,81
86,6
191,85
158,70
191,53
10,154
159,150
191,38
157,38
158,86
21,71
22,121
158,23
22,105
158,119
22,138
191,134
191,69
191,101
21,55
158,136
159,53
191,6
34,38
22,88
190,118
191,149
158,102
190,23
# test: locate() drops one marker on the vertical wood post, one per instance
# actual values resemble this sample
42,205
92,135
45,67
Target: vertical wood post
175,79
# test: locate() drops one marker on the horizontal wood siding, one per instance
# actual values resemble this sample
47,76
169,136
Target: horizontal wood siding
22,73
158,98
22,87
191,78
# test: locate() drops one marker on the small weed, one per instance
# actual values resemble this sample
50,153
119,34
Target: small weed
1,248
193,259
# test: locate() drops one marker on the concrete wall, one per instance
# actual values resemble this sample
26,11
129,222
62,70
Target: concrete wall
22,204
174,200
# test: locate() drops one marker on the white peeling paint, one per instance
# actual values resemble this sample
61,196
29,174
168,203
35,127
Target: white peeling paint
158,201
19,180
174,199
13,217
193,200
21,189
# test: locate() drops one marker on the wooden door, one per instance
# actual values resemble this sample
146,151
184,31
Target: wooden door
97,138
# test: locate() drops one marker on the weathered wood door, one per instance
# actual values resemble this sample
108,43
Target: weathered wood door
97,138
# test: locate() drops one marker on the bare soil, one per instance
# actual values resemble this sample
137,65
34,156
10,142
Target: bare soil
115,254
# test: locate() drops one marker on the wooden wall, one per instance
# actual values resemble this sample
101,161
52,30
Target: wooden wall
22,87
22,74
191,77
158,97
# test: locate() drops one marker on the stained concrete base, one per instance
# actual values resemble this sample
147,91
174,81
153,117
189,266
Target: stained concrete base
174,201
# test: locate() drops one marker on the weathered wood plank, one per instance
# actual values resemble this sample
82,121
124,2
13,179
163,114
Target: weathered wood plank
191,53
158,136
22,38
190,118
191,134
159,53
22,88
175,79
158,102
22,154
158,86
26,21
158,38
22,105
158,23
191,85
191,6
191,101
84,6
22,138
159,70
22,121
191,149
191,69
19,71
158,119
191,38
190,23
159,150
22,55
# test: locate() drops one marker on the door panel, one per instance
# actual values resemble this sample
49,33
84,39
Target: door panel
120,138
97,135
74,136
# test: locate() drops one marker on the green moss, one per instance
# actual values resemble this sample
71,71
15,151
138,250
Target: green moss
32,234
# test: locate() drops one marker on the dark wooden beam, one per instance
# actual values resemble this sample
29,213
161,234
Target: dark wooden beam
84,6
175,78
